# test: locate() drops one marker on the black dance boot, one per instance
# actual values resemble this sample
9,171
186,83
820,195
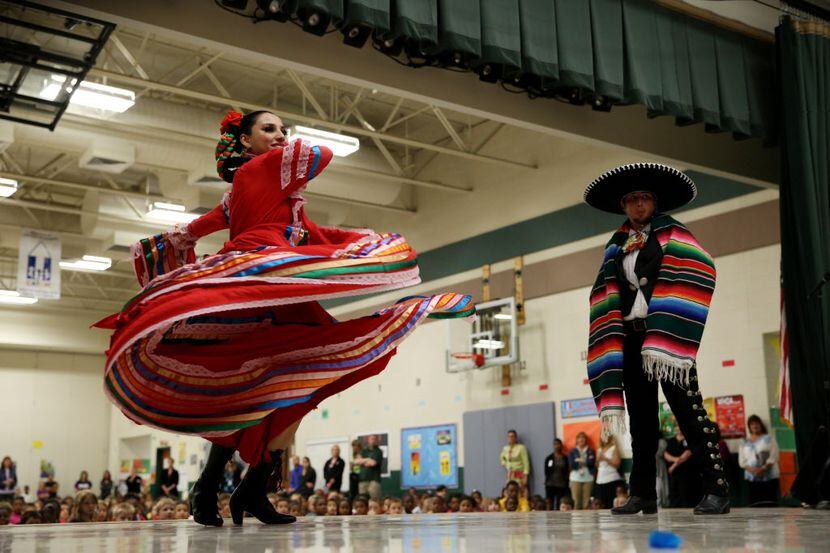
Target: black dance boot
712,504
204,497
251,494
636,504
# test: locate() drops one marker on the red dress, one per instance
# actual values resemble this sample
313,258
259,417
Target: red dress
235,347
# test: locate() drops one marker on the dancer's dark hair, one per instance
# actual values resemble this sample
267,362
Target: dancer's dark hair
233,126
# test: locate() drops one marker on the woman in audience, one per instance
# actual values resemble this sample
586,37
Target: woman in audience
83,482
309,477
8,479
608,473
515,460
85,507
582,460
758,457
333,470
106,485
556,475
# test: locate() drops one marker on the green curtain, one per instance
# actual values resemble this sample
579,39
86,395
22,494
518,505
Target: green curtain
804,61
627,51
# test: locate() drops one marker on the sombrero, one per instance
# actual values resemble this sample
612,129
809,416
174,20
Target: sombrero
672,187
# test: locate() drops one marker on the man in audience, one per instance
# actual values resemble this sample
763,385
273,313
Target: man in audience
296,479
370,461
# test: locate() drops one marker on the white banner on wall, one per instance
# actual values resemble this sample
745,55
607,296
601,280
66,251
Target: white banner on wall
38,265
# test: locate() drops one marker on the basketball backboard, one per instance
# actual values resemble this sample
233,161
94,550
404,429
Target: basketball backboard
490,340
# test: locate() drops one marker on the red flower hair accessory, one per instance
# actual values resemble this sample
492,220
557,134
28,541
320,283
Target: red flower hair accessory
231,119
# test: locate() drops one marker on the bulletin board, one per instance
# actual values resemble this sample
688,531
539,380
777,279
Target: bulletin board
429,456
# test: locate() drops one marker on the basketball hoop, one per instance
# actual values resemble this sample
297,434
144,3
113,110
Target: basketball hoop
476,359
463,361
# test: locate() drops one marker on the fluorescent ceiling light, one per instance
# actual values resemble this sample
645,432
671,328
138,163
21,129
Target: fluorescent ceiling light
488,344
88,263
91,95
169,213
339,144
503,317
7,187
10,296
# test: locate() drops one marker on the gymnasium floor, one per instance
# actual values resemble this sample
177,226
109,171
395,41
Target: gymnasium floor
792,530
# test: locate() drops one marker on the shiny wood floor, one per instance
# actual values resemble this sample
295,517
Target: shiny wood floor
792,530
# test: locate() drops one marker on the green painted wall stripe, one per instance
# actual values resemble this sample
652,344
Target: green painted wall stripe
547,231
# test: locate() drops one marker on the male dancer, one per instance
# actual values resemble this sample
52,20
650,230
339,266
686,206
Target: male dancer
648,311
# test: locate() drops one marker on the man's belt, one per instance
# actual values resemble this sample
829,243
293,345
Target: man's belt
635,325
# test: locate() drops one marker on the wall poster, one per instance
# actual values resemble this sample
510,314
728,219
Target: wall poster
429,456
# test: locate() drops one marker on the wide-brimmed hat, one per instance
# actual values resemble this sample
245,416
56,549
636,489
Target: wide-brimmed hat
672,188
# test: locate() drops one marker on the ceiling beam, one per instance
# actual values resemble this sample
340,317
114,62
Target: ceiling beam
146,131
333,125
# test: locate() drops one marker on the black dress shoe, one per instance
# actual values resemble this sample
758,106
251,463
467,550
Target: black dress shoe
635,505
712,505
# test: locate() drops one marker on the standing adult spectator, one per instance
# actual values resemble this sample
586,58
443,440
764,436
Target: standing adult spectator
608,471
333,471
106,485
758,457
684,480
169,481
83,482
515,460
295,481
50,486
582,461
8,479
370,461
134,482
556,475
308,480
354,472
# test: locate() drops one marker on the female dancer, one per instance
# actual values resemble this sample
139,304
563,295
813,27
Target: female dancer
235,347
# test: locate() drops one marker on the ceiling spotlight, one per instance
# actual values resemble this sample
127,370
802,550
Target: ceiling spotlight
314,21
388,45
601,103
167,212
274,9
356,34
87,263
489,72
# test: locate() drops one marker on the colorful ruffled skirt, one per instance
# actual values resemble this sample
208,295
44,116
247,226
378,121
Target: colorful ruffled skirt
235,347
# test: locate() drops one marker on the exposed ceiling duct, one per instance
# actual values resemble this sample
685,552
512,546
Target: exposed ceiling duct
109,156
